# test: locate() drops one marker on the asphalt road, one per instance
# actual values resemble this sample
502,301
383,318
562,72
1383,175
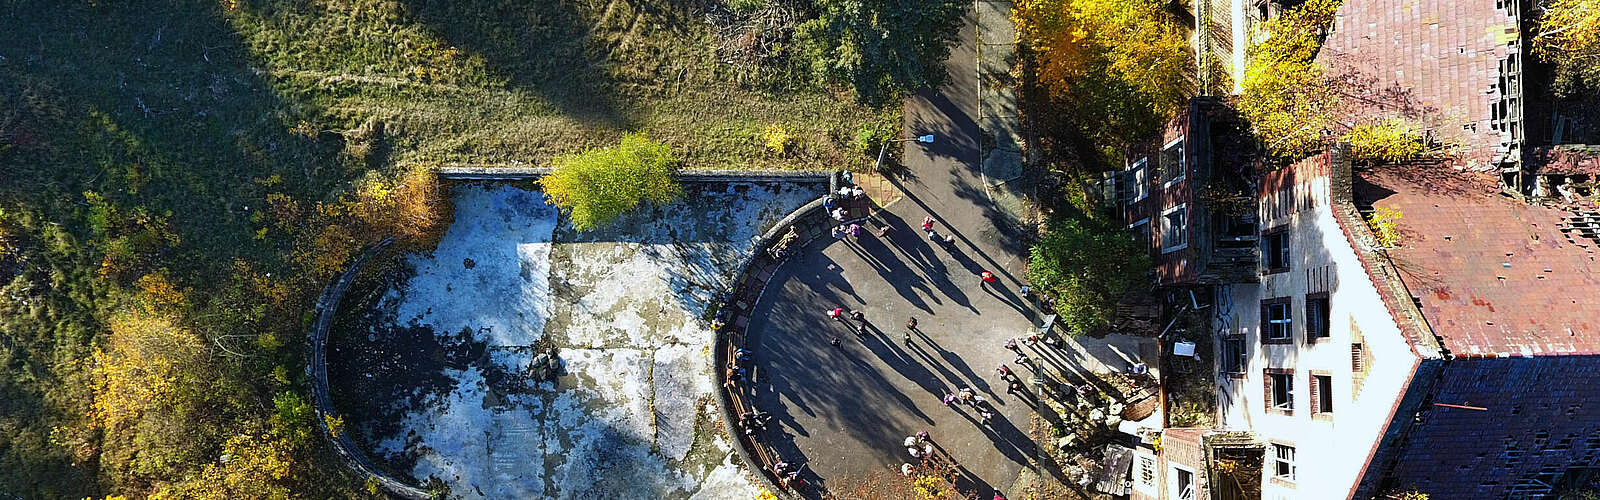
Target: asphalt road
843,411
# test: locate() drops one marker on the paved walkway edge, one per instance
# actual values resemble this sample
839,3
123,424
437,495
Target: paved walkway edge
749,283
327,305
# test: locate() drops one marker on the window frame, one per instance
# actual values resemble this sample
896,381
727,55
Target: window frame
1174,490
1269,379
1182,207
1134,230
1277,459
1182,162
1241,358
1283,249
1321,388
1139,172
1268,324
1319,329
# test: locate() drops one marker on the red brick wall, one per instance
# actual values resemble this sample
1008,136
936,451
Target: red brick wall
1185,446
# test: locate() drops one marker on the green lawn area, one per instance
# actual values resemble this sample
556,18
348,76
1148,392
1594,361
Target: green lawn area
489,82
193,170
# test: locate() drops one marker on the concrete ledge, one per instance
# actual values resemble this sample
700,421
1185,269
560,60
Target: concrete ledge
749,282
526,173
326,306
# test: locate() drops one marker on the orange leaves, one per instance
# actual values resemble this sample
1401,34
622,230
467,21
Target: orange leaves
138,368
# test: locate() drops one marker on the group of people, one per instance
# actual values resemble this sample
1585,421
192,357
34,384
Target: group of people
967,396
857,323
739,370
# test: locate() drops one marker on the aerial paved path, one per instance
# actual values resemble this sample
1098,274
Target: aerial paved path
843,411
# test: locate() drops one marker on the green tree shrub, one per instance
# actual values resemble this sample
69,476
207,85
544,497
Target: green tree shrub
596,186
871,136
1087,263
880,48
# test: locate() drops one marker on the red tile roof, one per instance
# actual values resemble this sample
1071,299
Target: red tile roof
1444,55
1494,276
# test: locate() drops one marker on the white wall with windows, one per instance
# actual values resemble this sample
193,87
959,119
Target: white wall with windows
1285,363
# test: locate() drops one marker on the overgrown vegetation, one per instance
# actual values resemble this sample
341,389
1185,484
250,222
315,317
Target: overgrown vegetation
594,187
1122,66
1568,36
880,48
1288,96
1390,141
1385,225
179,179
1087,261
1297,106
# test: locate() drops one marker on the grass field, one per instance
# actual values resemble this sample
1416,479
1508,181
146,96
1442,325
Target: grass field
195,160
489,82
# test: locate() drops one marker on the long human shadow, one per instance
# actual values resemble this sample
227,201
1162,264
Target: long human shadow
960,365
904,241
548,47
1011,244
806,373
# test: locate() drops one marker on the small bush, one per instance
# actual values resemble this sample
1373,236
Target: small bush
777,138
596,186
871,136
746,6
1385,226
1390,141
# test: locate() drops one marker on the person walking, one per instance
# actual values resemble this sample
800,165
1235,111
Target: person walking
835,342
858,316
988,278
1011,345
837,314
854,230
1005,372
837,234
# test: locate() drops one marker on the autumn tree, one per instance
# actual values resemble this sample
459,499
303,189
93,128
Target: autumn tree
596,186
1568,36
1288,96
1120,66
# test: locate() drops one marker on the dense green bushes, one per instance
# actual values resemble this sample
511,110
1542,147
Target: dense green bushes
1087,261
880,48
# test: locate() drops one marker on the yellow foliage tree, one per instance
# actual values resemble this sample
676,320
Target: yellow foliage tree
252,465
1569,37
138,367
158,292
1123,66
1287,96
596,186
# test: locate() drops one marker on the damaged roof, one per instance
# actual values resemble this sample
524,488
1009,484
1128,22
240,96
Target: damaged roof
1497,426
1494,276
1452,61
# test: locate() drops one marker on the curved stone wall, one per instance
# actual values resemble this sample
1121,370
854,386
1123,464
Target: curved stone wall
809,222
327,305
